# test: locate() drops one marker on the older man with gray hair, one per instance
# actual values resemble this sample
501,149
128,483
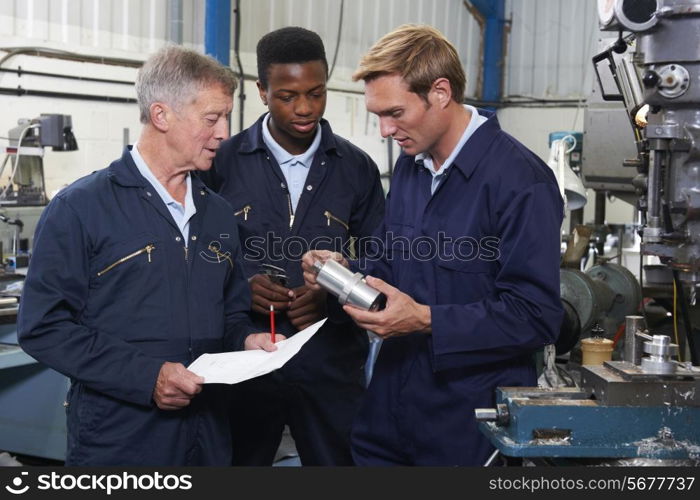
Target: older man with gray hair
136,272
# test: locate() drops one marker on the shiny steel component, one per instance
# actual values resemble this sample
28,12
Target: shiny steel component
631,15
666,60
633,346
674,81
499,415
348,287
486,414
659,360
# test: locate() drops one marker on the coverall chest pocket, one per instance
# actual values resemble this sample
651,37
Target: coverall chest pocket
464,281
252,226
331,228
244,212
126,262
216,261
336,220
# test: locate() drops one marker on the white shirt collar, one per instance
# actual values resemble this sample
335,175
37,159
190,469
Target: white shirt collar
188,210
475,122
282,155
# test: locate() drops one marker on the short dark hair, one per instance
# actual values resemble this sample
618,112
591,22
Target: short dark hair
290,45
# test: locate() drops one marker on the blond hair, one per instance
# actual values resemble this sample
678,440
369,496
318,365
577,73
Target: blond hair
420,54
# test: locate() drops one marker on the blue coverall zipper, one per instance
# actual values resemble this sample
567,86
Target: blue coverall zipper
291,211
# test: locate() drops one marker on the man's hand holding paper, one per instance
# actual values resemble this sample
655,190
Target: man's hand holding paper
234,367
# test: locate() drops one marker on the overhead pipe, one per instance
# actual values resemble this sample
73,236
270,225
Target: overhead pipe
217,41
493,13
19,71
237,53
217,30
67,56
19,91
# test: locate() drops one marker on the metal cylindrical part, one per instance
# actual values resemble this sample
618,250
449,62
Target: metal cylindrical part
500,414
633,344
656,365
654,210
660,351
331,277
348,287
486,414
660,345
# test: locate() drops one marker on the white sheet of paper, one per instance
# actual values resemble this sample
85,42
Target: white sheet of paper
234,367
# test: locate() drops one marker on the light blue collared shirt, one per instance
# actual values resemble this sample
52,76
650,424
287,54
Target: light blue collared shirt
181,215
295,177
474,123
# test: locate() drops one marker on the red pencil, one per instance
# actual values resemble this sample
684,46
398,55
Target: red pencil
272,322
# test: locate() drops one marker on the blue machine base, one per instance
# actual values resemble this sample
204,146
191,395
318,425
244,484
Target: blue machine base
583,428
32,416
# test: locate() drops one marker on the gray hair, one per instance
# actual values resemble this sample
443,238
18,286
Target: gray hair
174,74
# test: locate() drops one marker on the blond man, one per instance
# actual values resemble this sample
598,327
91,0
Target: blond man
469,260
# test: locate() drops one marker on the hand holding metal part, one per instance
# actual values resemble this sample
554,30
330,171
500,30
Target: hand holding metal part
350,288
370,302
401,316
309,260
276,274
265,292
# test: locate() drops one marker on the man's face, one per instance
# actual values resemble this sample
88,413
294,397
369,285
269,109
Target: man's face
402,114
296,98
198,127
